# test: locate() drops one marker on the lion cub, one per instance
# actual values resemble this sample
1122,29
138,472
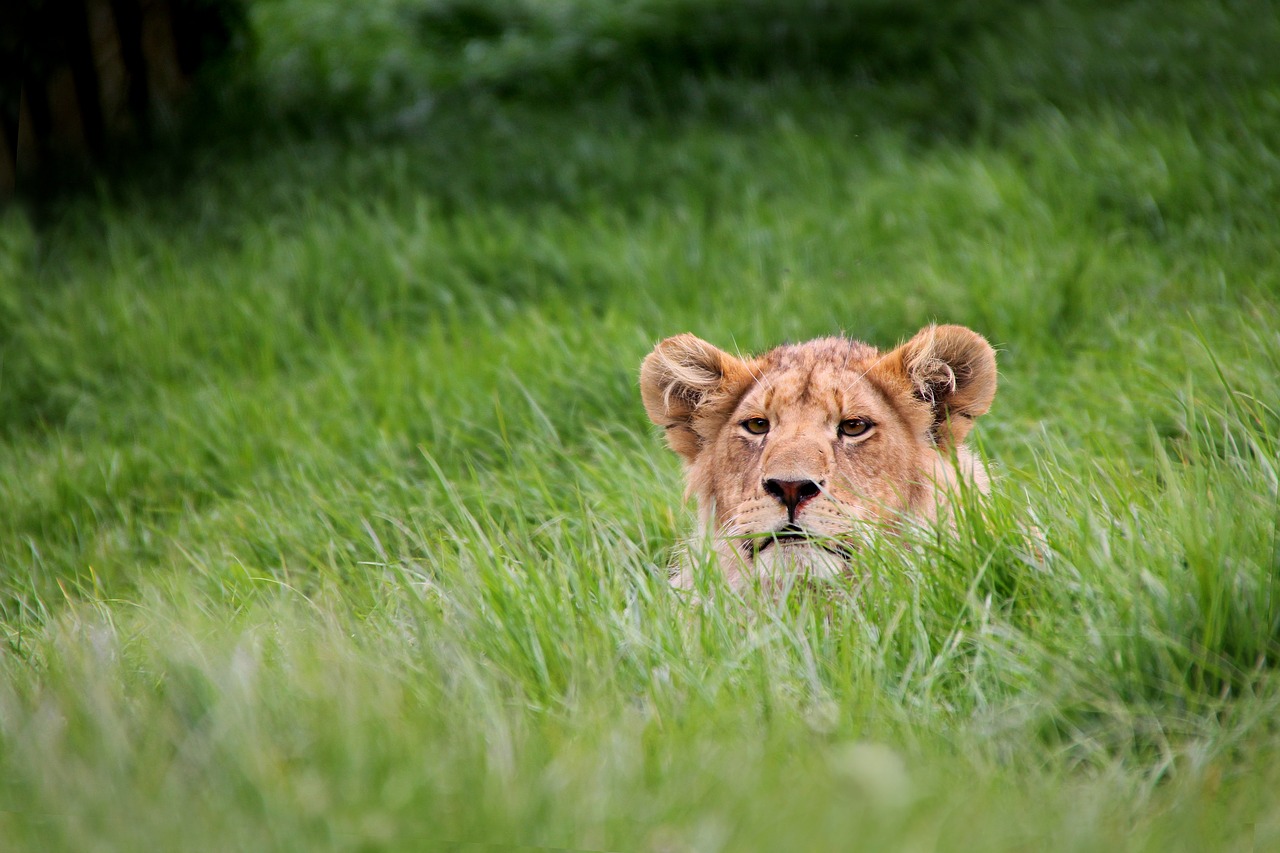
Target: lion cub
792,452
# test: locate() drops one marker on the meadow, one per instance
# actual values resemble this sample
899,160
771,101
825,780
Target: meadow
330,517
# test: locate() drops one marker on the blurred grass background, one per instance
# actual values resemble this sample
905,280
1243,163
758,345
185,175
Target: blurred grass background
329,515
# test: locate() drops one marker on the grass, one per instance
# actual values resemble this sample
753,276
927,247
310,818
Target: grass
329,515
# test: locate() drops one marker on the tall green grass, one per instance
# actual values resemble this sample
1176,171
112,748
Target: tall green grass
329,516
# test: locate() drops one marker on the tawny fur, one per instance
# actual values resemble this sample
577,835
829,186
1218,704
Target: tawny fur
921,399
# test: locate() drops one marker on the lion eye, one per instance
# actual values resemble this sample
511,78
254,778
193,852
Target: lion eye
756,426
854,427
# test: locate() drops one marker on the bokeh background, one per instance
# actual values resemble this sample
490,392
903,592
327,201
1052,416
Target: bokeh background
330,517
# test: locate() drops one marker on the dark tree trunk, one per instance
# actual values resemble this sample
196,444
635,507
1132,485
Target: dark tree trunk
82,75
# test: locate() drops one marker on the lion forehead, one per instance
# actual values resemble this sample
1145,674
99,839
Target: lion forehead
833,351
828,375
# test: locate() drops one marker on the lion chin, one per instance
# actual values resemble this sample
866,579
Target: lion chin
794,455
811,560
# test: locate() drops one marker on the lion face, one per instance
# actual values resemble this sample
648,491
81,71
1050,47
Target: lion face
796,454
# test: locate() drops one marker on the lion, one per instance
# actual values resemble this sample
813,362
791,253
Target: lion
796,455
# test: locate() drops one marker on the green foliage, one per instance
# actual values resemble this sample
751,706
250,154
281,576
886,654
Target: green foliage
329,515
655,54
548,47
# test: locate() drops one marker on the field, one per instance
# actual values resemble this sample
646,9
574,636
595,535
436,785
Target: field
330,517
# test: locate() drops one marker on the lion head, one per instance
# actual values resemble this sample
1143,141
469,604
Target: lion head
796,454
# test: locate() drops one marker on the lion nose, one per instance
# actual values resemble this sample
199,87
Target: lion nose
792,493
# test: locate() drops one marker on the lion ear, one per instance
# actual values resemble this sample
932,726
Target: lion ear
689,387
953,370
